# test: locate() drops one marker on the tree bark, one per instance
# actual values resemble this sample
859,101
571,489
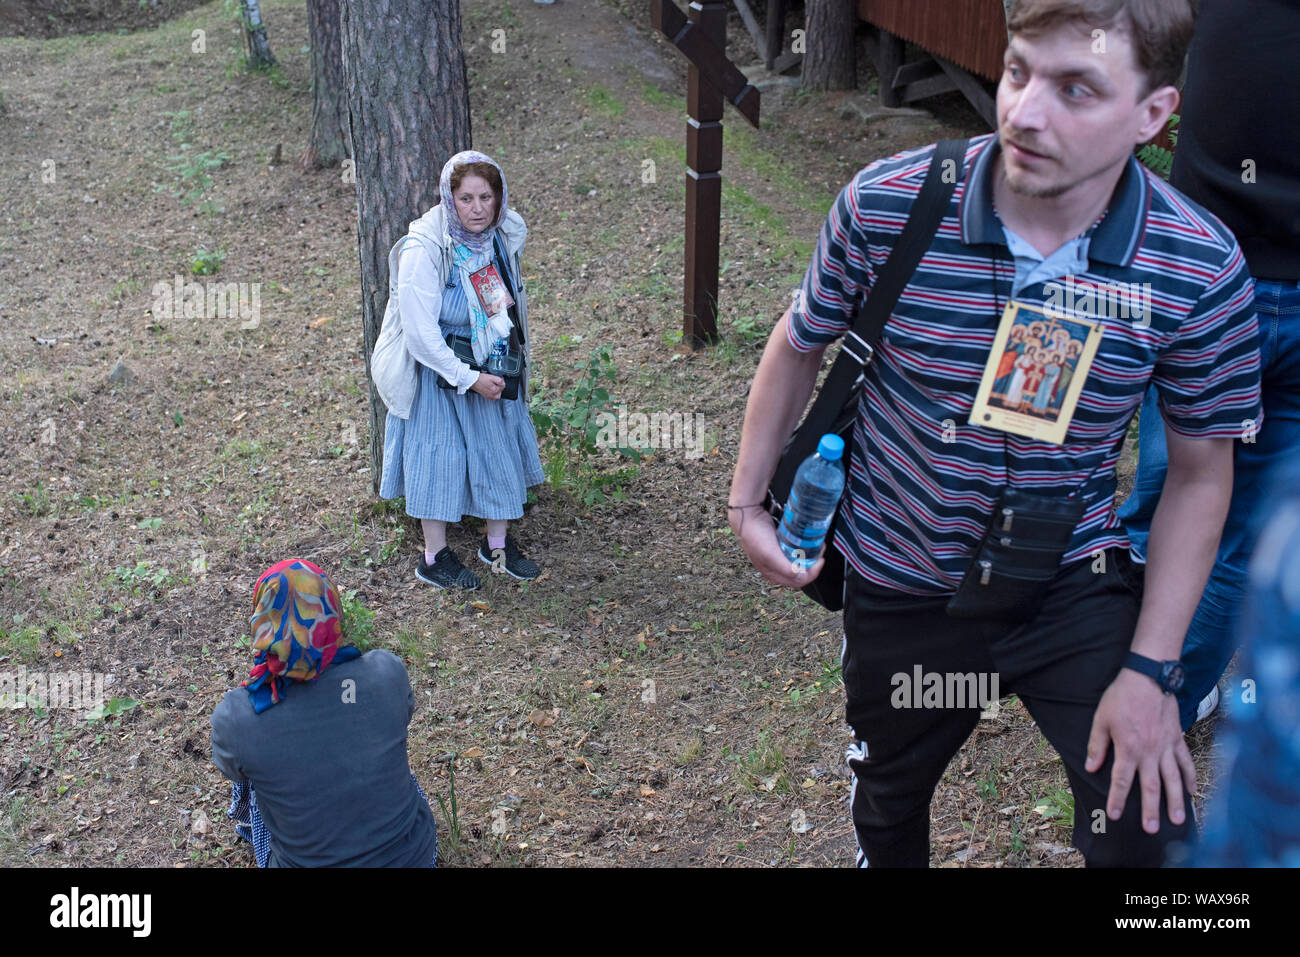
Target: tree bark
259,49
830,61
408,113
328,143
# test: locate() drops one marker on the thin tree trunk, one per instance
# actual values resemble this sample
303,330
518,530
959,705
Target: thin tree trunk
408,112
259,50
328,143
830,62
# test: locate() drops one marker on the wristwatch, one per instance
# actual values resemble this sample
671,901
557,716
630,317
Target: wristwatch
1168,675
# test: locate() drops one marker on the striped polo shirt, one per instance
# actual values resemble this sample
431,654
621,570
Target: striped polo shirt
923,480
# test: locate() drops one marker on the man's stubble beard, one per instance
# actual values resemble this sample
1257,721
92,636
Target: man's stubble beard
1034,192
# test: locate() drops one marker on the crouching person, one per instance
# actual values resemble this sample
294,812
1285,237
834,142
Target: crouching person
315,739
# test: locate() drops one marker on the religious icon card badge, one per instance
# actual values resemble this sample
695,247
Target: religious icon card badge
491,290
1035,372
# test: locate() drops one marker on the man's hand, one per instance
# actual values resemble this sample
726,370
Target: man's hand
757,536
1143,723
488,386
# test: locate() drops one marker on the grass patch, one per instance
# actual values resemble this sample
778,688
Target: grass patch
37,501
763,766
602,99
690,751
12,814
653,96
743,148
22,643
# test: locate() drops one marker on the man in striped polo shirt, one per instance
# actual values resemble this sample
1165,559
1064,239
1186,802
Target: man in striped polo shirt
1055,201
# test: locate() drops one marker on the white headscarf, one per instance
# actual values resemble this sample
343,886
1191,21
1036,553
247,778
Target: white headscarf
472,251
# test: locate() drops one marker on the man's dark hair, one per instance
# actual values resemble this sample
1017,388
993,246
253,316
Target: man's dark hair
1160,30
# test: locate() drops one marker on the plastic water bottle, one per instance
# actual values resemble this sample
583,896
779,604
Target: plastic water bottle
497,356
814,498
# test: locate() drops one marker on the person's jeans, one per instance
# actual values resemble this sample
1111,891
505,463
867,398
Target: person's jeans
1209,647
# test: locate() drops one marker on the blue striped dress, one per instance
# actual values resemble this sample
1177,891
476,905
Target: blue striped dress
460,454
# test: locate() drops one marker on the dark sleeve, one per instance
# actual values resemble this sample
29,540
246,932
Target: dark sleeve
225,739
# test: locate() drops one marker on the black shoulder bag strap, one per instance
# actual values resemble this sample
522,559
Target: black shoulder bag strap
499,249
834,410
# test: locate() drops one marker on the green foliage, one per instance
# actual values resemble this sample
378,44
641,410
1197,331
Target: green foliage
113,708
763,766
751,328
569,429
22,643
37,501
143,574
206,262
358,621
831,679
1158,159
192,171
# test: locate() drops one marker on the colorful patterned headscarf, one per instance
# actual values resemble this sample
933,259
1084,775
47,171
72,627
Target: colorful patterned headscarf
297,630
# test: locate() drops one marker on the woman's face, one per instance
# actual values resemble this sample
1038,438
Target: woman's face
476,204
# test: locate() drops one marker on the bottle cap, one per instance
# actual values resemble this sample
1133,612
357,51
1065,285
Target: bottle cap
831,447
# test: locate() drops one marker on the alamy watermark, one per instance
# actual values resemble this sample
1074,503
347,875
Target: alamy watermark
208,300
655,430
78,690
1104,300
933,689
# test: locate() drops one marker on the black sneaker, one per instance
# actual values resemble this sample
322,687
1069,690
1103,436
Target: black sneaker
509,560
446,572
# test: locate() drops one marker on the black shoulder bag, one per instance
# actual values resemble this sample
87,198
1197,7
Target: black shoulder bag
836,406
509,367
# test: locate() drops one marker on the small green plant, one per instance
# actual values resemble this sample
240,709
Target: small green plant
358,621
450,811
570,429
193,173
830,678
690,751
37,501
113,708
22,643
11,822
205,262
988,785
141,575
750,328
1057,806
763,766
1158,159
181,126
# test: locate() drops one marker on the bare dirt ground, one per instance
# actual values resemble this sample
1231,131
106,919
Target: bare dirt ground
650,700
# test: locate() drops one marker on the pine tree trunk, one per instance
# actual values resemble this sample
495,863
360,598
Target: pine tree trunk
259,50
830,62
408,112
328,143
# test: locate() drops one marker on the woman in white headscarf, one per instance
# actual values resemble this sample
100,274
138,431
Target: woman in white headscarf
463,450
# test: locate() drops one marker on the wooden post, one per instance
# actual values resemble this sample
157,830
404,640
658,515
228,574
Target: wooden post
775,32
889,57
703,186
711,80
